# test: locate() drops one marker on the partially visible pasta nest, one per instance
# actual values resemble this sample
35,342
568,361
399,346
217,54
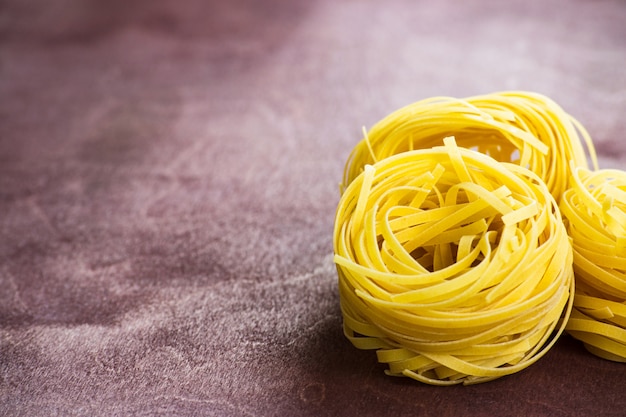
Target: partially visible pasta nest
525,128
460,228
595,213
457,269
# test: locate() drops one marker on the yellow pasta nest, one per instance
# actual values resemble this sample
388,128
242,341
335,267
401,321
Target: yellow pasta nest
520,127
595,213
456,268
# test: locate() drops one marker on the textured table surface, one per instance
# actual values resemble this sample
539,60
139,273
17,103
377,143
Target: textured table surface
168,180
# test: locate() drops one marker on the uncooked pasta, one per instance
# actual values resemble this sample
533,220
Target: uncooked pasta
524,128
453,266
595,212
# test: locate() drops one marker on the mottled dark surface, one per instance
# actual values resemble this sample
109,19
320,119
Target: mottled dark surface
168,178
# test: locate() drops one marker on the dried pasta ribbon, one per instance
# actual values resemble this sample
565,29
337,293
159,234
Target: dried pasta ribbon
455,267
594,209
524,128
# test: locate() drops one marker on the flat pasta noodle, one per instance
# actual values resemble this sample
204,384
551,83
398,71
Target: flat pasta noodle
594,209
524,128
455,267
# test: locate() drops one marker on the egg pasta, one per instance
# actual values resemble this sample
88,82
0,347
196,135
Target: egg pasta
524,128
454,267
595,212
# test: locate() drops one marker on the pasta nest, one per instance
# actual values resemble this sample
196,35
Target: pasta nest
594,209
525,128
455,267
